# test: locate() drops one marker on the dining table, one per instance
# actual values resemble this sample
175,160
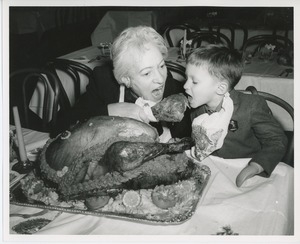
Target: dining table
239,34
261,206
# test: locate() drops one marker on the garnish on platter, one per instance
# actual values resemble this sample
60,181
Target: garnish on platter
168,204
131,199
164,197
30,226
119,170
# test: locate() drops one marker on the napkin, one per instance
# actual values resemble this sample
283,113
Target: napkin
146,105
209,131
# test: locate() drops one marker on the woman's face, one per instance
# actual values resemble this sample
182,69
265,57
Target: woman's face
149,74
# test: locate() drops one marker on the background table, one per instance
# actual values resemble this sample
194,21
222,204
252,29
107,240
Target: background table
239,35
33,139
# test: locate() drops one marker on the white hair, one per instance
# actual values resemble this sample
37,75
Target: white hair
133,38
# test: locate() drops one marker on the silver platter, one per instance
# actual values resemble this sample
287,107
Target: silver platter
201,174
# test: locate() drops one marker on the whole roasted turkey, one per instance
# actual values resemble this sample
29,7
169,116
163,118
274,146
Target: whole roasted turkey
107,153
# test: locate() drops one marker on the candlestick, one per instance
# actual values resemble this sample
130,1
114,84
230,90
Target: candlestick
22,151
24,165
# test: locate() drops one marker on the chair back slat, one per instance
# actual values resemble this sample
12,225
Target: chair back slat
174,33
233,28
177,71
288,158
209,37
21,80
72,69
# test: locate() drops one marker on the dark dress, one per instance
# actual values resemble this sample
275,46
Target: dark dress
255,134
103,89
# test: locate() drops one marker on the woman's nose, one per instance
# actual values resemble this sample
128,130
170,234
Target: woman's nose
159,77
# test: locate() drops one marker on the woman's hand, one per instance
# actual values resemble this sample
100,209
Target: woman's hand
249,171
129,110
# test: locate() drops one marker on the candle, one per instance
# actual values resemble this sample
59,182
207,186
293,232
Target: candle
122,94
20,138
184,44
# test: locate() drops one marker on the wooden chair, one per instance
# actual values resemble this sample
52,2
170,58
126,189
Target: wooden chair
174,33
233,27
22,85
202,38
289,156
223,27
72,69
177,71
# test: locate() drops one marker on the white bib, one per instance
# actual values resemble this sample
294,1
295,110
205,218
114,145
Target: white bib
209,131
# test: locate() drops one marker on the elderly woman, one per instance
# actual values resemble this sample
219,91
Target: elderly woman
138,69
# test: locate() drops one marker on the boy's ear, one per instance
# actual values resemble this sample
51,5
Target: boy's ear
126,81
222,88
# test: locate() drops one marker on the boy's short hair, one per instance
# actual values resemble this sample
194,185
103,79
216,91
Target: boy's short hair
221,62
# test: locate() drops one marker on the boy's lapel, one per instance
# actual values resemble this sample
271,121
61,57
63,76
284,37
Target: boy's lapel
234,96
234,124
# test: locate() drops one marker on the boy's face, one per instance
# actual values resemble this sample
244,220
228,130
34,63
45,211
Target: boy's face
201,87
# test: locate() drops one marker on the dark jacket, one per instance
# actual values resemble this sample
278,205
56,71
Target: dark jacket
253,133
103,89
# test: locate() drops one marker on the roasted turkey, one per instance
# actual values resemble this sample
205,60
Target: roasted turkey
106,154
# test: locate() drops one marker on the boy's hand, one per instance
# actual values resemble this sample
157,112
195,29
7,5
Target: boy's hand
248,172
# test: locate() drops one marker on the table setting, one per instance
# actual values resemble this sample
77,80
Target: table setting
22,160
204,202
266,205
217,206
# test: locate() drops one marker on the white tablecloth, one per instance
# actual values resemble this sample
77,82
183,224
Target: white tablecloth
262,206
33,139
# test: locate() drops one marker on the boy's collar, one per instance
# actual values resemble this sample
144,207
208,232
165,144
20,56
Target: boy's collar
232,93
210,111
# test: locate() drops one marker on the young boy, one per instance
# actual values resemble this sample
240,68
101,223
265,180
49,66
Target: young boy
212,72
